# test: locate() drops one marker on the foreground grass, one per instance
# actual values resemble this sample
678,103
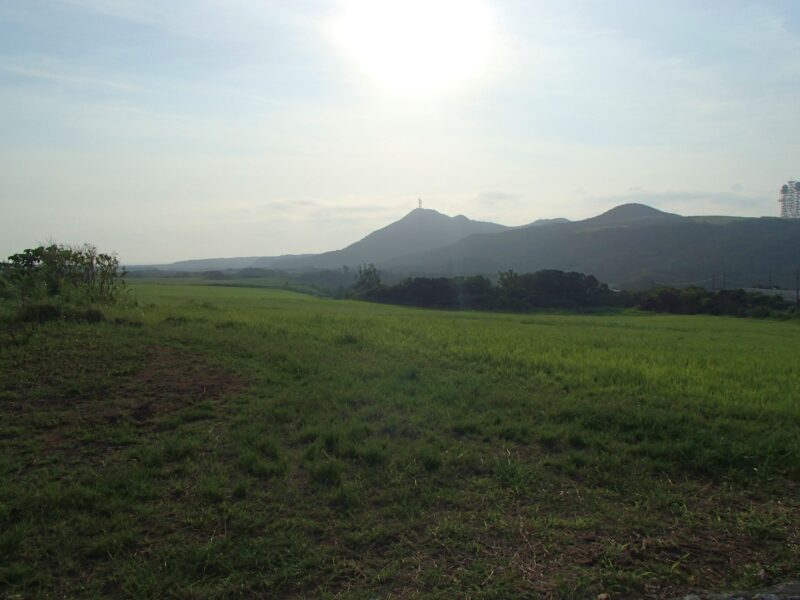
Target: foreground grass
221,442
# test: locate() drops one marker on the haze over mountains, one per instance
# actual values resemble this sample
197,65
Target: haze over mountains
422,230
632,245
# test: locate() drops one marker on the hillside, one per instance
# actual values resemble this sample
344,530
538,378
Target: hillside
630,246
628,215
420,230
201,264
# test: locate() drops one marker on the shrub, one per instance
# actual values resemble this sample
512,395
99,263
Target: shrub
79,275
40,312
6,290
94,315
52,282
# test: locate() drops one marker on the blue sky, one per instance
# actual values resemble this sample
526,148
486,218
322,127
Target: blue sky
170,130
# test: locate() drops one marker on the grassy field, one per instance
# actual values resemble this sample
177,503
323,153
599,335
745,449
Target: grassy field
283,283
218,441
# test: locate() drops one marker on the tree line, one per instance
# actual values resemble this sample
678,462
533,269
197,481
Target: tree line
555,289
697,300
513,291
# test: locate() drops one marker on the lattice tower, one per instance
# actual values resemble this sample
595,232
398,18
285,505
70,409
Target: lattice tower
790,200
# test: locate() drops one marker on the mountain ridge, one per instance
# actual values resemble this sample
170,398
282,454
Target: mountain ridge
630,245
423,228
629,250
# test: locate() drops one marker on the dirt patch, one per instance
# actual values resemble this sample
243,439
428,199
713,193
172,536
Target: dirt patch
79,421
173,379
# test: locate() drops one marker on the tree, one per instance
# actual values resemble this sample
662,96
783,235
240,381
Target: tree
78,274
368,278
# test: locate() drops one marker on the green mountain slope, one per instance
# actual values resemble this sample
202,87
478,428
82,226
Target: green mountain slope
630,246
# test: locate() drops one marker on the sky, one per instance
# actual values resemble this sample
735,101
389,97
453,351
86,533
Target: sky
206,128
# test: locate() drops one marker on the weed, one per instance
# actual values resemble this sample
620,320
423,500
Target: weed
431,459
347,339
327,472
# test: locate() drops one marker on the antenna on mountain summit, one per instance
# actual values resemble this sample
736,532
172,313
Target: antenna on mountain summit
419,201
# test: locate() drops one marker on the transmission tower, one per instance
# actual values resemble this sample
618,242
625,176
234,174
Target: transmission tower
790,200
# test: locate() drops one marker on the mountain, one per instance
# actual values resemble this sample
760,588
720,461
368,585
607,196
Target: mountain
629,246
632,245
628,215
421,230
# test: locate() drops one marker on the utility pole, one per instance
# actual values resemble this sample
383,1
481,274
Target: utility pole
713,283
723,281
419,202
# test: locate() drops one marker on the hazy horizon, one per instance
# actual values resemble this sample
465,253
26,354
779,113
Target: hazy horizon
360,237
248,128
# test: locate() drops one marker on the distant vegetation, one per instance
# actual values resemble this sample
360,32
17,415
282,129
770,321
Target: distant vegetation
694,301
513,291
553,289
510,291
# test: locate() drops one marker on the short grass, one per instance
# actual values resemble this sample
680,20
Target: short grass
218,442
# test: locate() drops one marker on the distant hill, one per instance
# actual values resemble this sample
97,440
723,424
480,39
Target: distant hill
420,230
540,222
630,246
635,215
201,264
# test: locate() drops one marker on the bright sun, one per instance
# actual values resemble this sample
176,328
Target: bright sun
416,47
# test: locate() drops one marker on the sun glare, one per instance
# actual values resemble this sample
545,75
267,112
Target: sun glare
416,47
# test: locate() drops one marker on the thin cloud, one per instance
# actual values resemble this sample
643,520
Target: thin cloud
499,198
241,23
58,75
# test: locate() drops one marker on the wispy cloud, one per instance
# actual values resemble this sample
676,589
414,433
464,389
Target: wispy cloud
57,74
230,21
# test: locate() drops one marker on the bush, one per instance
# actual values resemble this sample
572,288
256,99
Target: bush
94,315
51,282
80,274
40,312
7,292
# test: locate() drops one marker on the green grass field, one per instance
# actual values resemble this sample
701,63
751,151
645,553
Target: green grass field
221,441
